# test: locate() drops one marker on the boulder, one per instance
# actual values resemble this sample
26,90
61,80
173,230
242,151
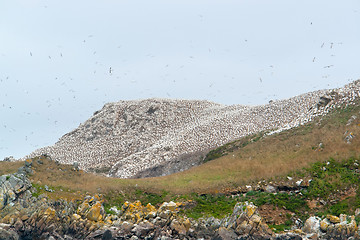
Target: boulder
142,229
246,220
8,234
312,225
96,212
225,234
270,189
324,224
177,226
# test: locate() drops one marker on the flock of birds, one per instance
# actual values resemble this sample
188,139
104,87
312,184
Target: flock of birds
95,155
132,136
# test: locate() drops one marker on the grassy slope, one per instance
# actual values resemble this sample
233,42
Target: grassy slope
264,158
270,156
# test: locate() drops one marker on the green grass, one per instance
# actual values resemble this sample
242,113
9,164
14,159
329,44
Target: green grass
153,198
281,227
331,176
210,205
232,146
295,203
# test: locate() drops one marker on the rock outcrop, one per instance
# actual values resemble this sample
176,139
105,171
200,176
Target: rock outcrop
156,137
24,215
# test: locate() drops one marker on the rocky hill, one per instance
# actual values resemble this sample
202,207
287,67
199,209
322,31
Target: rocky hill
154,137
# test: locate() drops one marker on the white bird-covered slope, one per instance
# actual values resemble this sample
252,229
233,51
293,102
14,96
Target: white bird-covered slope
128,138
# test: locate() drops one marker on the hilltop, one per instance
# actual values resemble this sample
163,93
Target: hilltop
156,137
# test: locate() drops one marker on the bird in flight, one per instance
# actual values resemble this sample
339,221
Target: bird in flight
110,70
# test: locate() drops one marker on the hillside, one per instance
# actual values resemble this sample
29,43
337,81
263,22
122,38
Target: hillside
155,137
248,159
305,178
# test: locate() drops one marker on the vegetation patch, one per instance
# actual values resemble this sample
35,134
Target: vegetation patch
207,205
232,146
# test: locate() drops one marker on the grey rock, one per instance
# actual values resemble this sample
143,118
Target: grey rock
9,159
324,100
28,164
270,189
76,166
288,236
351,120
225,234
8,234
107,235
142,229
312,225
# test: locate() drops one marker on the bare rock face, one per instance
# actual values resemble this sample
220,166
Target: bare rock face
155,137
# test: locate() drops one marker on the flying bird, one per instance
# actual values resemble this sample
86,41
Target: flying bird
314,59
110,70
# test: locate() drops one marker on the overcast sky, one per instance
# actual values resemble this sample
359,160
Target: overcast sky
60,61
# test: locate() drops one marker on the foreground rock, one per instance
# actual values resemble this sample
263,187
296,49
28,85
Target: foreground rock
160,136
24,216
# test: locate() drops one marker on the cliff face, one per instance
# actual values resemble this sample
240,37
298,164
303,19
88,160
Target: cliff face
156,137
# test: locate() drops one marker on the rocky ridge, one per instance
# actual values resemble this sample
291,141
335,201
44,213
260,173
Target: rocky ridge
23,215
154,137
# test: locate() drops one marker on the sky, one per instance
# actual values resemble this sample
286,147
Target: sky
60,61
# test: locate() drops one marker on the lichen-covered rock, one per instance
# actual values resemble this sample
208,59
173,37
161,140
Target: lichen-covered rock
96,212
169,206
178,226
11,186
92,209
324,224
245,220
27,217
333,219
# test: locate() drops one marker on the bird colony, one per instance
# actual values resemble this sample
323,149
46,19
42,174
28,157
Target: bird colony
129,137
